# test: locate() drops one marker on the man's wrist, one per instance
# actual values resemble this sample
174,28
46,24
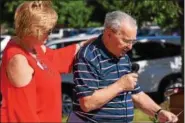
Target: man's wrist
157,113
119,86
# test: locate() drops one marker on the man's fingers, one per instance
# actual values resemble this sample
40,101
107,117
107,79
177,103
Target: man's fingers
174,119
135,75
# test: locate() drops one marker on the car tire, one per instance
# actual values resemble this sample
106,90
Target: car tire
171,83
66,104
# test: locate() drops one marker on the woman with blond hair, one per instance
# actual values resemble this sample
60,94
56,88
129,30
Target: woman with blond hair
30,72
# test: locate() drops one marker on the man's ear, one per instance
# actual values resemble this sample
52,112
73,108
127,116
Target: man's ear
108,32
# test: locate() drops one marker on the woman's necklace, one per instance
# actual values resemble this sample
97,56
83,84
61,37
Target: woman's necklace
33,53
39,62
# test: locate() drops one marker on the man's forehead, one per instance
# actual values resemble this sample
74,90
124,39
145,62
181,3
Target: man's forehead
128,32
125,26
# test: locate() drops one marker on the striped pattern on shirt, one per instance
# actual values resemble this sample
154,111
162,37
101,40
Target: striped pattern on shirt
94,69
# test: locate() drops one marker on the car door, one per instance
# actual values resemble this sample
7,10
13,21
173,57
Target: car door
156,60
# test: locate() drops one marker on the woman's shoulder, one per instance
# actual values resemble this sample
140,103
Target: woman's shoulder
11,50
19,77
12,47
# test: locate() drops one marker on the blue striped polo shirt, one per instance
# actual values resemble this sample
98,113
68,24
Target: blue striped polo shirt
96,68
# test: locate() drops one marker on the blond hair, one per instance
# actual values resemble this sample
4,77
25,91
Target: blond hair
35,18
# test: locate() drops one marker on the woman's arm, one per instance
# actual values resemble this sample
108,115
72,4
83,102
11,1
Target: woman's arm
63,58
23,90
18,76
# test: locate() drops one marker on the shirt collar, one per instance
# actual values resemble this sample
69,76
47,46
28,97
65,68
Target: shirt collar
104,51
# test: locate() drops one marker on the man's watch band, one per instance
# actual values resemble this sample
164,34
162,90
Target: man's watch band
157,113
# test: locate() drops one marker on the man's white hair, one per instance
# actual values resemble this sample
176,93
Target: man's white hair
114,20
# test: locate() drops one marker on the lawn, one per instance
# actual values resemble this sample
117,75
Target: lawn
139,117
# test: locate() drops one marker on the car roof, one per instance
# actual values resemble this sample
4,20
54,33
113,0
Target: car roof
71,39
169,39
4,40
4,36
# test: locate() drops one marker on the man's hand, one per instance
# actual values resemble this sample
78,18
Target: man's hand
128,82
166,116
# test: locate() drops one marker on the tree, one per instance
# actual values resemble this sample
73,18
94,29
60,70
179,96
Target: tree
74,13
8,9
165,13
80,13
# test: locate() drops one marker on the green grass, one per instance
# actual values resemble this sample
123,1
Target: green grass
139,116
64,119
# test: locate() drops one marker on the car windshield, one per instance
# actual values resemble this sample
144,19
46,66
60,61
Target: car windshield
140,50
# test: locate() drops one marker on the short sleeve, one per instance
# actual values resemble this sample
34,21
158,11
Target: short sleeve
137,89
85,77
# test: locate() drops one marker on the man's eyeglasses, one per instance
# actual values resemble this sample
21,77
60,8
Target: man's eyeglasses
130,41
127,41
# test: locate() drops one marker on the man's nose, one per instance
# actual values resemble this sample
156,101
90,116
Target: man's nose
129,46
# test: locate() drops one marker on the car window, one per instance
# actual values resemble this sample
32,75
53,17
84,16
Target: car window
153,50
70,43
56,46
69,33
1,38
55,31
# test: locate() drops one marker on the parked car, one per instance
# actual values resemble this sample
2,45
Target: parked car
150,31
62,33
92,31
159,59
59,43
4,40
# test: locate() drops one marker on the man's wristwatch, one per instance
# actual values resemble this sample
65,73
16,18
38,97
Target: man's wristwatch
157,113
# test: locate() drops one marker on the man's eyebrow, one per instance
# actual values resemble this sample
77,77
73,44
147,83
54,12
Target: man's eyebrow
134,39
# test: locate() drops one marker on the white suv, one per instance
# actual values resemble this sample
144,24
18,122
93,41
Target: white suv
159,59
4,40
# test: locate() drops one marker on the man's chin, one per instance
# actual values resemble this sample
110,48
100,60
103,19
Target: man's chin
123,54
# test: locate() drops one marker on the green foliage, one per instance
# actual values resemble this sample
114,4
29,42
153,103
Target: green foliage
93,24
80,13
164,13
73,13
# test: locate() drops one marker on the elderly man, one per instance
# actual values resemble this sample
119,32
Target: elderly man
105,88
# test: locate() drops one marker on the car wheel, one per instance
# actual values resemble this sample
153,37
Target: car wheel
67,104
173,83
